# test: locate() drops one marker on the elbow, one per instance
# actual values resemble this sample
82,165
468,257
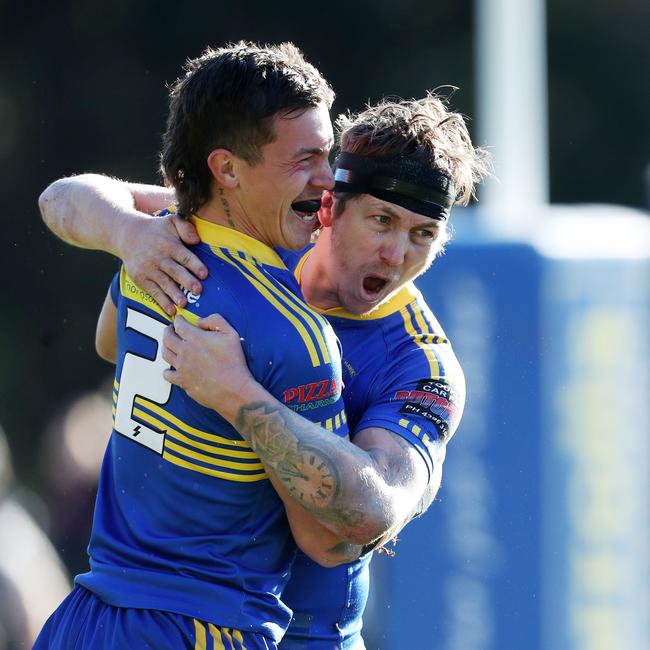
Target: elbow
106,351
52,201
362,536
376,522
45,199
340,553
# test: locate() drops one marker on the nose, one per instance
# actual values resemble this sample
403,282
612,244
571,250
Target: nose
393,251
323,177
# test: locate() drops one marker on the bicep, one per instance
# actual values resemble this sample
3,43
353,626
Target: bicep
399,462
402,468
106,334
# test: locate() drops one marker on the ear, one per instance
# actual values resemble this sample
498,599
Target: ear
223,165
326,212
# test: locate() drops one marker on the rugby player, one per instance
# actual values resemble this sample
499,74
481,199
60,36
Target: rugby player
190,543
403,165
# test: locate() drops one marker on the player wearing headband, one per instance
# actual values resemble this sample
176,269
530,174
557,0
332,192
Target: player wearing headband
402,166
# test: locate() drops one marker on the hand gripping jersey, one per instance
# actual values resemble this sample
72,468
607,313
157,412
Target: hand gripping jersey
400,374
186,519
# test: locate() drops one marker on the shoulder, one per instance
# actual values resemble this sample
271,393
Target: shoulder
293,259
418,344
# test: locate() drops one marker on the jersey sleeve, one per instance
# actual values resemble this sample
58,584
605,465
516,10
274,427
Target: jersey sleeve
420,397
115,288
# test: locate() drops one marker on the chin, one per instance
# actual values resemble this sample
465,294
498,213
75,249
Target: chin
359,307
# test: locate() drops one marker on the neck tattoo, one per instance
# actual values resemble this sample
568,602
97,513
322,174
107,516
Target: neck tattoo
226,208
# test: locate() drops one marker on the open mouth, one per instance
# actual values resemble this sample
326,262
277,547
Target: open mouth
373,285
306,210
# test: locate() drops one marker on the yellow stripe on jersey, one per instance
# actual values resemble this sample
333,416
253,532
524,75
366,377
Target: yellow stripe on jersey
215,633
415,430
237,635
226,633
424,327
219,634
131,290
422,344
213,449
210,460
116,384
200,636
339,420
210,437
230,476
315,322
267,289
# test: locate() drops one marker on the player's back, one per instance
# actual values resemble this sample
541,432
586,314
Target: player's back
186,518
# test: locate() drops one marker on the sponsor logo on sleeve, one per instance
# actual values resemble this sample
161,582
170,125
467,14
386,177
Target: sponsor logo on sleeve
434,401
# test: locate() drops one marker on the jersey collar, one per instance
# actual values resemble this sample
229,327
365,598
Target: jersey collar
219,236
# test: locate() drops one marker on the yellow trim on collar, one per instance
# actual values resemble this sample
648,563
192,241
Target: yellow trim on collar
395,303
298,270
219,236
130,289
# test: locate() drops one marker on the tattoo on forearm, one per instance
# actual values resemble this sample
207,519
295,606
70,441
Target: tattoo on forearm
309,474
226,207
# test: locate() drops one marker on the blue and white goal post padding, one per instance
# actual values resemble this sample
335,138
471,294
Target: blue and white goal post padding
540,536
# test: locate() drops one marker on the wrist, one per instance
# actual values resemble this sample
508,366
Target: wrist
126,229
240,394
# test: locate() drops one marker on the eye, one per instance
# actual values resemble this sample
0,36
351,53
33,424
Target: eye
382,219
425,233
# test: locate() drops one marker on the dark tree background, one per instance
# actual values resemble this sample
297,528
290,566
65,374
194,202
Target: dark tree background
82,88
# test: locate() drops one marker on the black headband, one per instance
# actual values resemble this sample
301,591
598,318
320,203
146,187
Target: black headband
403,181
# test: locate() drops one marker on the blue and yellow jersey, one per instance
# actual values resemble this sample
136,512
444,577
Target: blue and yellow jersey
400,374
186,519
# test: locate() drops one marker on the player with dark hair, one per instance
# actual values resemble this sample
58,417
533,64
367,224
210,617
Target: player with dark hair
190,540
402,166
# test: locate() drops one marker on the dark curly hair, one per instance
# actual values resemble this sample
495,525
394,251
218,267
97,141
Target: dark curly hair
228,98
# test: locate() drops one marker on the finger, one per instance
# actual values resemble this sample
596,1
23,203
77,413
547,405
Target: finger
169,356
167,284
172,377
158,295
171,341
180,277
214,323
186,230
188,235
183,328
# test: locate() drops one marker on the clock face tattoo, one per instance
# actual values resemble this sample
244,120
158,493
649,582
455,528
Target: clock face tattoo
312,479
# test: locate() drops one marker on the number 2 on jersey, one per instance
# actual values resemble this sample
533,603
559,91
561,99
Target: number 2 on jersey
142,377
